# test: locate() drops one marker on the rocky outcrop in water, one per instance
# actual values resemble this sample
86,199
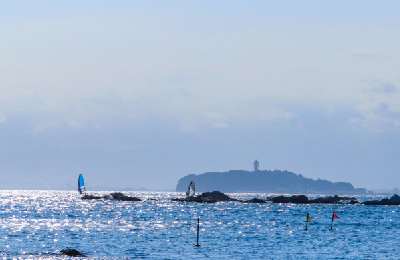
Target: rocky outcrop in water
302,199
113,196
334,200
217,196
122,197
255,200
90,197
394,200
72,252
208,197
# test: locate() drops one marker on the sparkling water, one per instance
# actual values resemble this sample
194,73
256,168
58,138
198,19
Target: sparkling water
39,224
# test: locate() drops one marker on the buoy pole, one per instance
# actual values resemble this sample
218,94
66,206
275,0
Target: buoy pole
198,231
333,217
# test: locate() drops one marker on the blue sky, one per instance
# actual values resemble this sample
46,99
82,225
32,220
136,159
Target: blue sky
140,94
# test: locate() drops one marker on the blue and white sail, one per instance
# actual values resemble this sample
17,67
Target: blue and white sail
81,184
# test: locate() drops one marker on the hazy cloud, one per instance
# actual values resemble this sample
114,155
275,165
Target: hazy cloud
373,53
3,119
383,110
364,53
386,88
219,125
379,117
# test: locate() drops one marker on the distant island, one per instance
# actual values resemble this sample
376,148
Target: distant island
264,181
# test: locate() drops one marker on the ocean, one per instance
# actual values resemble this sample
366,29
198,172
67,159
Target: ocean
39,224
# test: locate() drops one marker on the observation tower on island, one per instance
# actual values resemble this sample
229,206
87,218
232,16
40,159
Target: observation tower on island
256,164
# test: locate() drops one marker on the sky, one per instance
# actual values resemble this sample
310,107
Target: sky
138,94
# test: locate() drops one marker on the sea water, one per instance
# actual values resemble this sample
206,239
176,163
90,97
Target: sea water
39,224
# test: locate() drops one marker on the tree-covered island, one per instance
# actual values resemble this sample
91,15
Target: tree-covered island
264,181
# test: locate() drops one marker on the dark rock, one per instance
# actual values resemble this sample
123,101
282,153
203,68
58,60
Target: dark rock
279,199
114,196
334,200
216,195
377,202
394,200
120,196
299,199
302,199
90,197
255,200
72,252
208,197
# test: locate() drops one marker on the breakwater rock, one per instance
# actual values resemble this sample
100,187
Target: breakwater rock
302,199
208,197
394,200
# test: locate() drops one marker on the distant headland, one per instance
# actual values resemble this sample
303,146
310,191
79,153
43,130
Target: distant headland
264,181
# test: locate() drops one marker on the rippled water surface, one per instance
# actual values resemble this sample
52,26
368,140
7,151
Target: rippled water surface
38,224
